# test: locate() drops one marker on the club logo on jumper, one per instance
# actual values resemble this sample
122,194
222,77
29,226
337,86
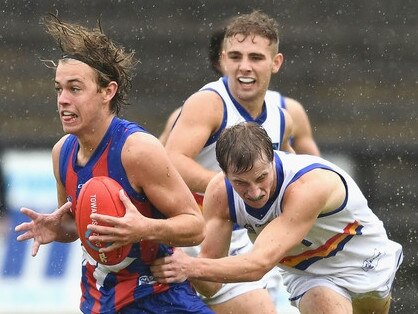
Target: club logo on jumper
371,262
146,280
275,146
262,225
249,228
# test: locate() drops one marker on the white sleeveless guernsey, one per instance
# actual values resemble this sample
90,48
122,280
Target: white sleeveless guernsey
272,120
348,244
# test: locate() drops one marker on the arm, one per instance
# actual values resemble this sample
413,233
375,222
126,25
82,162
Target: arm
169,125
304,142
46,228
215,245
218,229
150,171
201,116
68,230
315,192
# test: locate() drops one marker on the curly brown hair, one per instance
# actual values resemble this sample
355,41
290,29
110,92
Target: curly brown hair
94,48
252,24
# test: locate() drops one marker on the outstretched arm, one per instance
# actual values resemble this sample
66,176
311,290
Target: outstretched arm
215,245
45,228
315,192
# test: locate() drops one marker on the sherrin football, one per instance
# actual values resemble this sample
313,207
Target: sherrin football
99,195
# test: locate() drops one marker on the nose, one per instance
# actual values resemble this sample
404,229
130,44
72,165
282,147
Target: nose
245,65
62,97
253,192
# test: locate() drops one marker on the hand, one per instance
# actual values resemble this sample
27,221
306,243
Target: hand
120,231
171,268
44,228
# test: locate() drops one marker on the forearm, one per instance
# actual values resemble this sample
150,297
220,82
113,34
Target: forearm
181,230
68,231
238,268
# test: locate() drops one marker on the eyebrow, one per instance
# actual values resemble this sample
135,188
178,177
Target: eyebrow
70,81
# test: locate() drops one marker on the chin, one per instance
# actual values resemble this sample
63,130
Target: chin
258,204
69,129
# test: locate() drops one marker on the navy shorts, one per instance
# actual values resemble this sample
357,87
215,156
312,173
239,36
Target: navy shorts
180,298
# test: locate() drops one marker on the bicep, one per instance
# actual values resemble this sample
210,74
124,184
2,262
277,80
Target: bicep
68,218
317,191
149,170
304,142
218,222
61,192
303,201
193,128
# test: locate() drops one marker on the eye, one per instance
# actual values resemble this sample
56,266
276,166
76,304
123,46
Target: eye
257,57
239,183
261,178
234,56
58,89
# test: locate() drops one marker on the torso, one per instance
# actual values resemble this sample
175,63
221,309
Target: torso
132,278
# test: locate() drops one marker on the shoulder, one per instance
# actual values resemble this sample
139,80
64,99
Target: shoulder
203,108
140,144
294,107
56,149
144,159
216,189
216,196
204,97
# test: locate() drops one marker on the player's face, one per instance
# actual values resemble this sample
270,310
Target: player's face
249,64
257,185
81,105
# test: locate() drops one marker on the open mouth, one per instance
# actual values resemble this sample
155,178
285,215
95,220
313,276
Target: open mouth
246,80
67,116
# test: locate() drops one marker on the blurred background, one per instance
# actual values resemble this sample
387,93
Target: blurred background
352,64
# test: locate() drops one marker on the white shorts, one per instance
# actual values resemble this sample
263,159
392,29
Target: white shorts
298,284
272,281
241,243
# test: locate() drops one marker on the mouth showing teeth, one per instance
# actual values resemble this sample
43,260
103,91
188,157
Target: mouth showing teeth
246,80
68,114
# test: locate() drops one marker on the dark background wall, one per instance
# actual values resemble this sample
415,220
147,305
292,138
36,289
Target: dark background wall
352,64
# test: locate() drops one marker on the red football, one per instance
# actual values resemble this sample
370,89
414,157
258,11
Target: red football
99,195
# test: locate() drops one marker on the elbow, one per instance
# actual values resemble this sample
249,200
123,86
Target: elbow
197,233
259,271
200,232
256,274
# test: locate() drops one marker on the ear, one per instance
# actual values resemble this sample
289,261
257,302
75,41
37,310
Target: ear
222,62
277,63
110,91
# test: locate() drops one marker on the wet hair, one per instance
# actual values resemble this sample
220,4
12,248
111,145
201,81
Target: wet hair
253,24
94,48
215,48
241,145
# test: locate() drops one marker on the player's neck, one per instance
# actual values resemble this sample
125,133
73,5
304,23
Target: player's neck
90,140
254,108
